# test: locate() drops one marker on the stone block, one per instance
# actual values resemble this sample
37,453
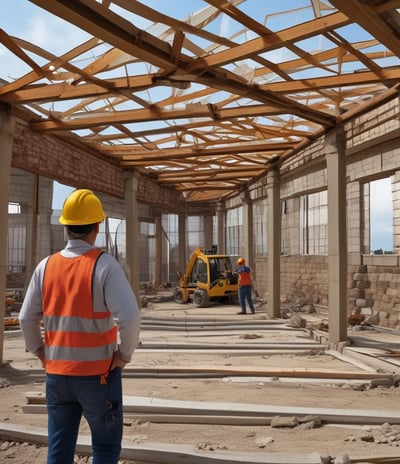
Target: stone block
383,316
393,321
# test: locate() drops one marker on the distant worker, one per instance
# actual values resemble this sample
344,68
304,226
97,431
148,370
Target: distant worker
85,302
245,286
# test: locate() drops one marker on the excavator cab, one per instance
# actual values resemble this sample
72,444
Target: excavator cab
208,277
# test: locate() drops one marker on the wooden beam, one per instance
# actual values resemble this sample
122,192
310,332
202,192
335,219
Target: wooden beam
334,82
85,120
271,41
101,22
369,18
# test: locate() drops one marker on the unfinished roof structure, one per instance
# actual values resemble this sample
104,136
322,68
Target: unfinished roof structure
204,95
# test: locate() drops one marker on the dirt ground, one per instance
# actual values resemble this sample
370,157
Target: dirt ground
174,347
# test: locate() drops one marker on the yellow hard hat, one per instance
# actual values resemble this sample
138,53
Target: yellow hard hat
240,261
82,207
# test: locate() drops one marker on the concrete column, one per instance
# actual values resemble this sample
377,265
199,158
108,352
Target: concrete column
159,253
221,219
248,229
7,127
132,231
337,241
208,231
182,258
274,242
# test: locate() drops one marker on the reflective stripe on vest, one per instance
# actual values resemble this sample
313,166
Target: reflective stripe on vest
78,340
244,276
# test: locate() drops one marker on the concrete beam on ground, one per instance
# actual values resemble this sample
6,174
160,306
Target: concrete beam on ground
162,453
373,358
241,413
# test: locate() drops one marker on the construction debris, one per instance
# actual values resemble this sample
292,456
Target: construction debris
267,357
386,434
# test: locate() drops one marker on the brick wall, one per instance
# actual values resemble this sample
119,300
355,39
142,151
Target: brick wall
376,287
372,152
52,158
301,276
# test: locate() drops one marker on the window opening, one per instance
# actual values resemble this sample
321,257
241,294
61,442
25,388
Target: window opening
260,228
314,223
234,231
381,216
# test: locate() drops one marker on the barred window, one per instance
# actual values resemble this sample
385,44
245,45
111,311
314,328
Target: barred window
314,223
195,232
14,208
260,228
234,231
16,243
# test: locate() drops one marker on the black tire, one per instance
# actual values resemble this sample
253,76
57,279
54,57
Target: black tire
200,298
178,296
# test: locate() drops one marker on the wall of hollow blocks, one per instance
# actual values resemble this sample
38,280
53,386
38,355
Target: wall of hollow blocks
373,281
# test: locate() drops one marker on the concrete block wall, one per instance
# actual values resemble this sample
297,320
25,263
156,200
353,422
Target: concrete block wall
375,124
373,152
52,158
305,276
376,286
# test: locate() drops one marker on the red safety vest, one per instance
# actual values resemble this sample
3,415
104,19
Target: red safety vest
78,340
245,276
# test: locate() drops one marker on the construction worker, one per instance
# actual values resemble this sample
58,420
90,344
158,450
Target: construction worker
245,286
85,301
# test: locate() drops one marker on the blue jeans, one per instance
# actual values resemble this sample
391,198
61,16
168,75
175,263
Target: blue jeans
68,397
245,294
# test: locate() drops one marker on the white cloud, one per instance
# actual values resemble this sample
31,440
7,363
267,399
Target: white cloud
224,27
381,197
54,34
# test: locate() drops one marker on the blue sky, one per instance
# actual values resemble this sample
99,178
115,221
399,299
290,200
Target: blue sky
381,215
60,194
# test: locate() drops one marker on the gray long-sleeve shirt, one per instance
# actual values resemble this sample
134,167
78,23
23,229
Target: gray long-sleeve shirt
111,291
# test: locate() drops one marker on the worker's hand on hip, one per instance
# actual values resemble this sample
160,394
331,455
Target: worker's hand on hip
117,361
40,354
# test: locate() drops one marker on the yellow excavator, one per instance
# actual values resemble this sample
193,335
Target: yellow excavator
208,277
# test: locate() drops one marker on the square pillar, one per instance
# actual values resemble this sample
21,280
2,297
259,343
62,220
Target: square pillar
132,231
335,144
7,127
248,229
274,242
221,219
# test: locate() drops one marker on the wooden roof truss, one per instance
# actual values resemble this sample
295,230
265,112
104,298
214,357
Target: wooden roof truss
198,109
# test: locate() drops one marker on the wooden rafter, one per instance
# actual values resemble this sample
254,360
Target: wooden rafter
197,109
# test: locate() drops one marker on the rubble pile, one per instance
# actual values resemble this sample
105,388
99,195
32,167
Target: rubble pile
298,305
386,434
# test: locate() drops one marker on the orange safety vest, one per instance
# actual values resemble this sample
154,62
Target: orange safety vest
78,340
244,276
